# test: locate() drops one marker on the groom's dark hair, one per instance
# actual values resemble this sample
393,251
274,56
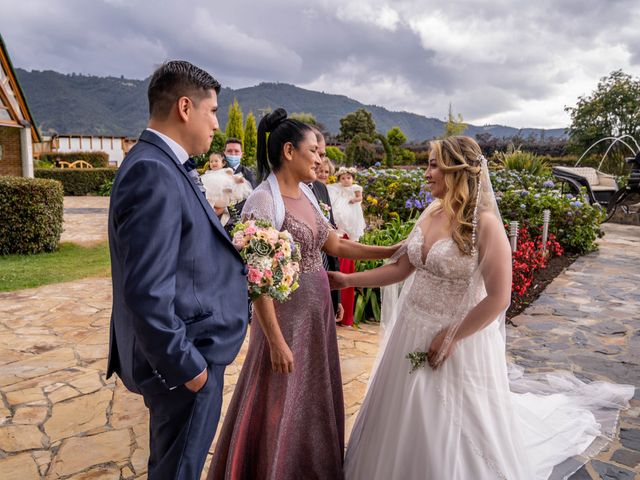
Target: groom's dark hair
175,79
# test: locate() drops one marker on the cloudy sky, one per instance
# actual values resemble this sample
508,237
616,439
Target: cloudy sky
512,62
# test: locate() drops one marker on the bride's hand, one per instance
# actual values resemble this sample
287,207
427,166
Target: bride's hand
337,280
433,355
281,357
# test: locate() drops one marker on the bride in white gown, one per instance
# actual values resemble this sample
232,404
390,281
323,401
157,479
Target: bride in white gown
459,416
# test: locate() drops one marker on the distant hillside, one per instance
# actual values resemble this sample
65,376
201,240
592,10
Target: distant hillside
81,104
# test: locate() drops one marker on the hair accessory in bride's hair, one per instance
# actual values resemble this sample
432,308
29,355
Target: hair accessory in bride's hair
474,222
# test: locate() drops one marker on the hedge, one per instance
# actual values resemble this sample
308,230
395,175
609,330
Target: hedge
96,159
78,181
31,212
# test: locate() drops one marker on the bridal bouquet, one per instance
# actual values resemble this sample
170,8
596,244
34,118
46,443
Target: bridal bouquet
272,257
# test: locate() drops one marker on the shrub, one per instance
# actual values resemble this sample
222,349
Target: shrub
105,189
336,155
96,159
392,193
574,221
31,211
361,152
525,162
79,181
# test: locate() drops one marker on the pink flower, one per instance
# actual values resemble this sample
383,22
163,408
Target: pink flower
250,230
254,275
239,240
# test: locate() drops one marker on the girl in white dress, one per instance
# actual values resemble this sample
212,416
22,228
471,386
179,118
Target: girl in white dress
222,186
458,416
346,202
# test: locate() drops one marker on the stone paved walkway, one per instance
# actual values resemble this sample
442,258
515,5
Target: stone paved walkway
85,220
56,401
60,418
588,321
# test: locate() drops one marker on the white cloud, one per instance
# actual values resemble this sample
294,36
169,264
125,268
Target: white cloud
514,62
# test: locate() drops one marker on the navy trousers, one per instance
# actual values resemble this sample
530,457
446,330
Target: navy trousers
182,425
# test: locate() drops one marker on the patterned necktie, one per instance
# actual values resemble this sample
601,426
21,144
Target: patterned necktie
190,167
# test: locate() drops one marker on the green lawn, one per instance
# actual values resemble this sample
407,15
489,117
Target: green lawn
71,262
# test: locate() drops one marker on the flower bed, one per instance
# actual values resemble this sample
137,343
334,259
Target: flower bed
393,197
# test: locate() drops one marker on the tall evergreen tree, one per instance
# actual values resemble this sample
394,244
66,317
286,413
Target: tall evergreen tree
234,122
250,141
453,125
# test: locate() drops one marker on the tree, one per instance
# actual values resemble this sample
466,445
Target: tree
234,122
356,123
360,151
396,139
218,142
217,146
612,110
453,125
250,141
304,118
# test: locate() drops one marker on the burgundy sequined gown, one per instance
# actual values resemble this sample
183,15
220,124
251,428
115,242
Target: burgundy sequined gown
278,426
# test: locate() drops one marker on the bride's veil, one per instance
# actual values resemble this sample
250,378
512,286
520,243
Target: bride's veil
481,365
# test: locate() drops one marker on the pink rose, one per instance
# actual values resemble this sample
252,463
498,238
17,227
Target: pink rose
239,241
250,230
254,275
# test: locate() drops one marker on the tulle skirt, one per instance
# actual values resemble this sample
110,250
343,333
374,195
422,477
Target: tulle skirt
463,421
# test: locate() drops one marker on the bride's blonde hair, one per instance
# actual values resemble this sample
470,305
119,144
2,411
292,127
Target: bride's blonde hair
459,159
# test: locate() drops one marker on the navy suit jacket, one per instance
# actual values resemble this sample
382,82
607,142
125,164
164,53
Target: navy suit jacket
179,285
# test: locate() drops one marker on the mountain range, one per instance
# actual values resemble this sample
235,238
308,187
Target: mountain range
90,105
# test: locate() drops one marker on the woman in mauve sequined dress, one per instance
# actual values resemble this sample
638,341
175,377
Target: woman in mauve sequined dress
286,417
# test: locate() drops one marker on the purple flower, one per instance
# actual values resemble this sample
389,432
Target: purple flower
377,164
548,184
408,204
417,203
524,193
577,203
428,197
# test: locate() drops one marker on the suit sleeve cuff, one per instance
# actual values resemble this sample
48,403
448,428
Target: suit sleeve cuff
191,365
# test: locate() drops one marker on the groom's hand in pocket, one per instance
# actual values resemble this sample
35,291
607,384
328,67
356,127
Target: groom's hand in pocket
195,384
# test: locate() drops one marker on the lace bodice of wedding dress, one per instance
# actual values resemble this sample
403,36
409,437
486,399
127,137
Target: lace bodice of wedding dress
442,279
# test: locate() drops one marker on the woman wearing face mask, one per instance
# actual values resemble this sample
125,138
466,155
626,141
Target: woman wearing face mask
286,417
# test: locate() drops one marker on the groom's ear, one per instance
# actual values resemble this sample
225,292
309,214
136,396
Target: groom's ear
185,108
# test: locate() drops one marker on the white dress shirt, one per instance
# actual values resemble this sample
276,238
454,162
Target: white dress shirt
180,153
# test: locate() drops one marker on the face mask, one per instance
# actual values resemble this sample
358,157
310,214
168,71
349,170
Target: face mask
233,160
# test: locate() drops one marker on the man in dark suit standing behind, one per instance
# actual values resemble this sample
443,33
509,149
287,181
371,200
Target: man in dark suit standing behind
179,286
233,157
319,189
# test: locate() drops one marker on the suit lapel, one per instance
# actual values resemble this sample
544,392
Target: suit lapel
153,139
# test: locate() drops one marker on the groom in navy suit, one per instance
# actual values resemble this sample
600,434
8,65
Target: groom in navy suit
179,286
